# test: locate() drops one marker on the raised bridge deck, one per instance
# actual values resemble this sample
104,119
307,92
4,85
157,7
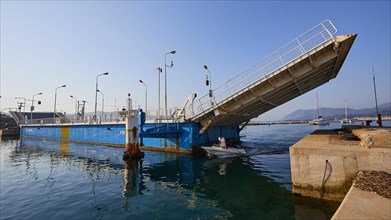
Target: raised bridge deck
305,63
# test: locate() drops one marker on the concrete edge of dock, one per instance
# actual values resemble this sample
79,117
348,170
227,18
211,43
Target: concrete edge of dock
367,202
326,163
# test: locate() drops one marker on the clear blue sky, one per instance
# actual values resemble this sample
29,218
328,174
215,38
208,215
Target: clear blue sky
45,44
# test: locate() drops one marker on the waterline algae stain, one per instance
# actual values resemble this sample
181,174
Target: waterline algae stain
42,180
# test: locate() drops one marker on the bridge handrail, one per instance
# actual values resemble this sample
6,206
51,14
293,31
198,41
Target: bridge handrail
262,69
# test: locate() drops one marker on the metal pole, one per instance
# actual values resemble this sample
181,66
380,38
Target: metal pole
158,111
317,105
96,95
55,102
32,105
165,80
210,85
103,103
159,70
146,95
76,106
165,86
96,92
54,111
374,87
146,99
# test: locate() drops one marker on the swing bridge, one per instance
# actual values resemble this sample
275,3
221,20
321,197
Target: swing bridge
303,64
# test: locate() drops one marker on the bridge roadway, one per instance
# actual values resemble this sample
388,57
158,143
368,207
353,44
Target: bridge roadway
307,62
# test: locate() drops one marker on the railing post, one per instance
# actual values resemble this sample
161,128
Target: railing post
279,56
300,46
327,30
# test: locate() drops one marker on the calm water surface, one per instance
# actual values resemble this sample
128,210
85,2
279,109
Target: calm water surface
52,180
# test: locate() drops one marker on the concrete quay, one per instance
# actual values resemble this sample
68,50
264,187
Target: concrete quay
368,198
325,163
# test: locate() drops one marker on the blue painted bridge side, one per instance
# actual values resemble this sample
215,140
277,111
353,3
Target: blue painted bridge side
184,138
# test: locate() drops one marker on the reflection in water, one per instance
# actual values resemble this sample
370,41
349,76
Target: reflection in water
64,148
223,169
133,184
132,177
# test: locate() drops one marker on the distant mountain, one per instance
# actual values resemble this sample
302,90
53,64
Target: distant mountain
331,113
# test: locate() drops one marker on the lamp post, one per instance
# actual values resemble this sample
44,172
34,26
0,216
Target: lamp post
96,91
209,82
32,105
165,80
55,101
103,103
146,95
159,70
76,106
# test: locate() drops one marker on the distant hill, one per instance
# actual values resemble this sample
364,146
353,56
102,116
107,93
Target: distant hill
331,113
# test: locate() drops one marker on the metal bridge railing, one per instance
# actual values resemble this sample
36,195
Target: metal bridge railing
264,68
107,117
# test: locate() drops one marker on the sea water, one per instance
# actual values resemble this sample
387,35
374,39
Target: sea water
52,180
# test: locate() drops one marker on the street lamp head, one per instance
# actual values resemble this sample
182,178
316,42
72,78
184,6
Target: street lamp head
141,81
40,93
71,96
172,52
205,67
98,90
64,86
106,73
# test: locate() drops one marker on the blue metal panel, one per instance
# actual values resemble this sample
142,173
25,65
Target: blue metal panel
110,133
41,131
179,137
187,137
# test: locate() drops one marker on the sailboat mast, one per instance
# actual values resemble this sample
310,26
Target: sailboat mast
379,120
374,87
317,105
346,111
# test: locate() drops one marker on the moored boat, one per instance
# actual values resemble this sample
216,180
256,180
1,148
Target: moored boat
216,151
319,121
346,120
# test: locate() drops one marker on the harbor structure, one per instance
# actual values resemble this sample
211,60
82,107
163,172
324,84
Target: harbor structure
351,165
310,60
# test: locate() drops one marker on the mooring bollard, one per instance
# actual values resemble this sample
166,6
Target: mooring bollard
132,149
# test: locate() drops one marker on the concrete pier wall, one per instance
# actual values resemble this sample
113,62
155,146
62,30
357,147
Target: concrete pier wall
114,135
324,166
